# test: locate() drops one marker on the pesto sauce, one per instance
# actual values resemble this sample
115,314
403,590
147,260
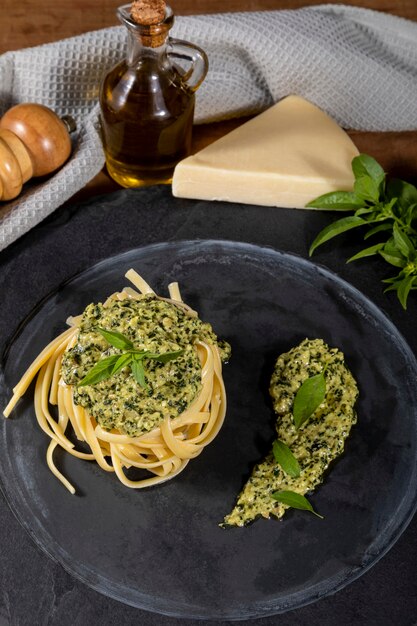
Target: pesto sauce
317,442
152,324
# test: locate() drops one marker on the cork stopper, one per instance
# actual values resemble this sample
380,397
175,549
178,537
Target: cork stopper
151,15
147,12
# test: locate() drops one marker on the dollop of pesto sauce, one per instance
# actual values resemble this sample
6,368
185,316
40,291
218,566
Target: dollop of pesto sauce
152,324
317,442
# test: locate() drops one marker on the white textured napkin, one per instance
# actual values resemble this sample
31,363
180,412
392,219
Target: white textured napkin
358,65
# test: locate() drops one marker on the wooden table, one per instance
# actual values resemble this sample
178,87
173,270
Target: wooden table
33,22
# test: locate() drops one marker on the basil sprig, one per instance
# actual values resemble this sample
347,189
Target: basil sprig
115,338
285,458
389,208
295,501
308,398
107,367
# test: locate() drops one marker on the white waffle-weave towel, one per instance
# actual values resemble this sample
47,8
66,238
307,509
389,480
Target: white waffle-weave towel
358,65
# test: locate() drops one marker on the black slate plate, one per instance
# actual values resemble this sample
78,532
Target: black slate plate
161,549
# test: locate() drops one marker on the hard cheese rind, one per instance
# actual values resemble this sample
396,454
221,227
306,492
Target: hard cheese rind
286,156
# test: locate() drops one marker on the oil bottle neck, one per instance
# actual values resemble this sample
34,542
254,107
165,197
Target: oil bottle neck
146,39
138,50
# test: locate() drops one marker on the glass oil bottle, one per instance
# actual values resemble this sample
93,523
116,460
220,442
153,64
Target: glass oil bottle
147,102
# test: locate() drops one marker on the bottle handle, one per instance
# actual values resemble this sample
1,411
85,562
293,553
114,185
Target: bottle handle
188,52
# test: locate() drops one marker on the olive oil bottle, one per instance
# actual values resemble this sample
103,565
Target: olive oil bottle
147,100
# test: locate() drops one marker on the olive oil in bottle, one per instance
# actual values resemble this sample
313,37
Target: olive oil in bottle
147,101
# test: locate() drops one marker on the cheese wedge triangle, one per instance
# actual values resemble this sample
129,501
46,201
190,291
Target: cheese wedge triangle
286,156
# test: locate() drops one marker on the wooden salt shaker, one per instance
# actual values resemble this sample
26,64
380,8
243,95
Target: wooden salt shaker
34,141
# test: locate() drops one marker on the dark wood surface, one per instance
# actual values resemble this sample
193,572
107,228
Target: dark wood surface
32,22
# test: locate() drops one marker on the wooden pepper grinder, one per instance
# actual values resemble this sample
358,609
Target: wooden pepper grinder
34,141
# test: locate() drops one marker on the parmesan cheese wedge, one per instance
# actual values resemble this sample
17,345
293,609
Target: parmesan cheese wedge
286,156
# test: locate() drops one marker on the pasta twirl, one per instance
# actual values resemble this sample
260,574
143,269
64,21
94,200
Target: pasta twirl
111,416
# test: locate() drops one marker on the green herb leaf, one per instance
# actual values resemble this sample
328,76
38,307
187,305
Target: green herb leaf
410,214
139,354
393,280
392,205
404,288
403,243
364,165
368,213
295,501
111,365
405,193
402,284
371,251
338,227
366,188
115,338
378,229
122,361
139,372
309,396
165,357
102,369
285,458
392,255
392,259
336,200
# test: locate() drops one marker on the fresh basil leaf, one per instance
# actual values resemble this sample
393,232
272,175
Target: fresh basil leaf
410,214
285,458
378,229
391,248
393,282
102,369
392,208
334,229
336,200
122,361
111,365
309,396
392,287
365,165
371,251
404,288
166,356
393,279
394,260
295,501
115,338
403,243
139,372
385,211
392,255
369,211
366,188
405,193
139,354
